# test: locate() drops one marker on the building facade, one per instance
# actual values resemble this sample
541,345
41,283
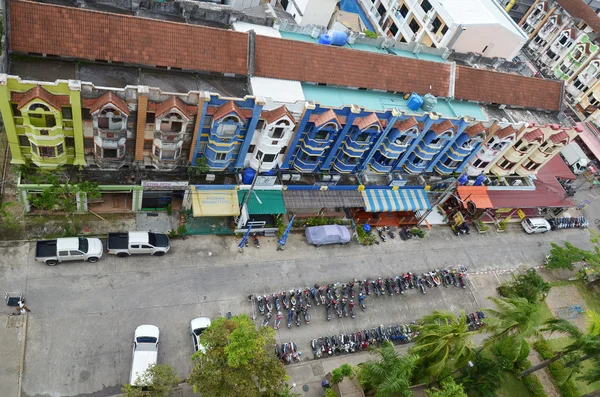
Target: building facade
478,26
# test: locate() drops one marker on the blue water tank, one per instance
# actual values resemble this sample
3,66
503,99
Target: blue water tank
248,176
338,38
325,39
414,101
479,180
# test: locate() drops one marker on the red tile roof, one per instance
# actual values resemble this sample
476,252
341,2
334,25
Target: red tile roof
475,129
580,10
226,109
533,135
326,117
111,98
503,88
173,102
56,101
442,127
406,124
275,114
85,34
367,121
562,136
557,167
506,131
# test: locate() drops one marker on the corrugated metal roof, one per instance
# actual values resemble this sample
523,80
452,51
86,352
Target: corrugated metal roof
317,199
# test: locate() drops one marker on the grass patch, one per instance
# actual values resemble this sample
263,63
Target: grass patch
583,388
590,296
543,314
512,387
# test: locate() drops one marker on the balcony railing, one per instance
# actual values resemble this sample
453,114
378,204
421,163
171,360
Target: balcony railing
169,136
108,134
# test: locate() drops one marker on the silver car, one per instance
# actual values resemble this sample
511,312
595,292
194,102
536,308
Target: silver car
327,234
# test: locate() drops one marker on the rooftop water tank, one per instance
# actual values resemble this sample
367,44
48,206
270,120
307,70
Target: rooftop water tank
429,102
325,39
414,101
337,37
248,176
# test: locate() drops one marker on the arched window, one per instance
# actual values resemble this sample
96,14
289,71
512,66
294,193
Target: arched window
110,118
41,116
172,122
278,131
230,119
323,133
228,126
436,142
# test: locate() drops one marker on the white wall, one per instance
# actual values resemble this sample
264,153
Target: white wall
315,12
500,42
240,4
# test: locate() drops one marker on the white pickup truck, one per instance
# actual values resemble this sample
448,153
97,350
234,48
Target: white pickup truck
67,249
145,352
125,244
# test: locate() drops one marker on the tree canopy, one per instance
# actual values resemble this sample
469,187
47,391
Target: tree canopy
529,285
159,381
238,360
449,388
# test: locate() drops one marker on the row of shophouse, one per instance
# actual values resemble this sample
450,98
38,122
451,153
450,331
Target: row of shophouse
305,148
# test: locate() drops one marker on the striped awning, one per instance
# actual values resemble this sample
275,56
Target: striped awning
388,200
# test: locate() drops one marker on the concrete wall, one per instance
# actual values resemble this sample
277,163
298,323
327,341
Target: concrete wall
317,12
500,42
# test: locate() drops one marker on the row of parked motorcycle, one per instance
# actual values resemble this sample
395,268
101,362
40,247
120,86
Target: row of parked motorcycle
339,298
361,340
288,353
568,223
385,232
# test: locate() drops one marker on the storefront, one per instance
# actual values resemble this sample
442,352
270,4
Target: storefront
158,195
213,210
391,207
262,207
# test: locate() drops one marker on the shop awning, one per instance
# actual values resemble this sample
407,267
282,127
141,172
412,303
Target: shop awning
214,203
388,200
591,140
477,194
317,199
263,202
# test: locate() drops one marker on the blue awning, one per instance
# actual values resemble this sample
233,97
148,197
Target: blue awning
388,200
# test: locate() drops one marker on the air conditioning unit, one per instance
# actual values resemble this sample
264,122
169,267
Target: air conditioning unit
285,177
518,182
365,179
335,178
430,27
210,177
326,178
296,177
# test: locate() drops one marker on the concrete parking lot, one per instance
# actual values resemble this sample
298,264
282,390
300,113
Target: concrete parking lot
83,315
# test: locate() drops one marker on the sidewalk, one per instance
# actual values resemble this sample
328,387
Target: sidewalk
12,332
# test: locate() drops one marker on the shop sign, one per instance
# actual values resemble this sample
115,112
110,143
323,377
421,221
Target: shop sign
265,180
521,214
503,210
180,185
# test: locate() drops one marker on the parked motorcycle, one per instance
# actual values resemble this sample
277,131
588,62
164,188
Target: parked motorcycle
277,321
255,239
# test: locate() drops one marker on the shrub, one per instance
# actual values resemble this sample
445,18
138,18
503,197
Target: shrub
415,231
169,209
481,226
567,388
534,386
502,225
330,393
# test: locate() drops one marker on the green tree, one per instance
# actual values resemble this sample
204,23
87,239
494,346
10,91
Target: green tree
529,285
159,381
564,257
483,378
239,360
443,343
584,345
449,388
338,374
390,375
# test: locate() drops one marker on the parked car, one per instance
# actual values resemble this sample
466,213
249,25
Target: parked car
535,225
145,352
67,249
327,234
132,243
197,326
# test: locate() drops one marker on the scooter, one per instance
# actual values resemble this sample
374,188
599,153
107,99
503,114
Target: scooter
328,310
277,321
351,307
361,301
255,239
390,232
381,234
268,304
285,300
290,318
261,304
306,315
277,302
298,311
267,319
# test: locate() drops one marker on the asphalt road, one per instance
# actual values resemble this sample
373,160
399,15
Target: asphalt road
83,315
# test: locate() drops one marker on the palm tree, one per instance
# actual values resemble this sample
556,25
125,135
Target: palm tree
513,317
585,345
443,343
482,379
389,375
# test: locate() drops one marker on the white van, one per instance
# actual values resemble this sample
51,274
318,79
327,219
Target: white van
535,225
145,352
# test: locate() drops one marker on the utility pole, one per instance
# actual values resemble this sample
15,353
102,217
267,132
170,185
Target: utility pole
251,190
447,193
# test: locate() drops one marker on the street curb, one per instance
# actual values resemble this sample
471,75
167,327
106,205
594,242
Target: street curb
22,363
